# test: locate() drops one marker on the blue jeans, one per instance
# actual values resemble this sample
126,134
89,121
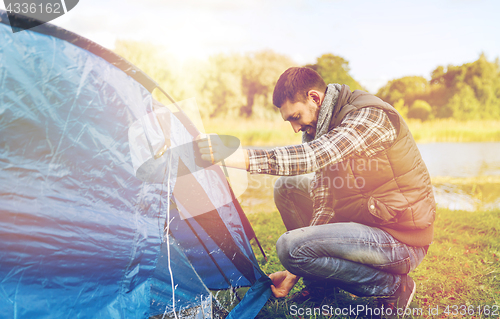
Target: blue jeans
364,260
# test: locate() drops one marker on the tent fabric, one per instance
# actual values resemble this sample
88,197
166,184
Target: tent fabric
254,300
83,236
60,33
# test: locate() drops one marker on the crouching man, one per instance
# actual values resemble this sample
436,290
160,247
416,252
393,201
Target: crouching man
364,219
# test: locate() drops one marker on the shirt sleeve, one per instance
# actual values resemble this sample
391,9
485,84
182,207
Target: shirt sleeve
322,198
366,130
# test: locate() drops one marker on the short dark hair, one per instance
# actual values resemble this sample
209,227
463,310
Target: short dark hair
294,84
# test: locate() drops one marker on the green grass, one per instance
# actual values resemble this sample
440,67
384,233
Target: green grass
274,132
484,190
449,130
461,267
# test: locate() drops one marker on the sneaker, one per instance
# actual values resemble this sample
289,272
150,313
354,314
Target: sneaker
313,291
302,296
402,298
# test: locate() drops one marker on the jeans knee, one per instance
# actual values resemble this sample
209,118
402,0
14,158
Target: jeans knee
282,248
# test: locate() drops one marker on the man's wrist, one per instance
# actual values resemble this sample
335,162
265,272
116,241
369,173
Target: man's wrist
247,160
239,159
293,277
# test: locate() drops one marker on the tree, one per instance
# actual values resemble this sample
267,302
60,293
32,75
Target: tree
260,72
237,84
468,91
420,110
408,88
464,104
220,91
335,69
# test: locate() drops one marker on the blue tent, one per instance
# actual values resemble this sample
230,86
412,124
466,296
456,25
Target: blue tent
84,232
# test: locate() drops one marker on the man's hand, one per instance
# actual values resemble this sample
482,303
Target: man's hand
213,149
283,282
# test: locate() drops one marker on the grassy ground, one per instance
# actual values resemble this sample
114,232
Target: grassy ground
455,131
461,270
484,190
277,132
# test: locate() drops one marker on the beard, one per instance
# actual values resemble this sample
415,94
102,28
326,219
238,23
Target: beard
310,130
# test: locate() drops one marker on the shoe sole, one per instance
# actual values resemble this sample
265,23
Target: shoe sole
410,298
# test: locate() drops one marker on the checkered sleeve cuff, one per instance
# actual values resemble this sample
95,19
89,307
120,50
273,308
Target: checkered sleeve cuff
322,217
259,162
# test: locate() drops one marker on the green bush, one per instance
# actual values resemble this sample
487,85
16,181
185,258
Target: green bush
420,110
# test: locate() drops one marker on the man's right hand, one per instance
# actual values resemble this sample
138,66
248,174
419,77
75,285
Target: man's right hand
213,150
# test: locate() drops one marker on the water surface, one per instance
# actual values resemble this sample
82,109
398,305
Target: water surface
461,159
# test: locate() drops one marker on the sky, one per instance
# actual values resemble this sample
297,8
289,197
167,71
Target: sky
382,40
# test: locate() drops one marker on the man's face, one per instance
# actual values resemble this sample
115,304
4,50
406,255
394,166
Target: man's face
303,116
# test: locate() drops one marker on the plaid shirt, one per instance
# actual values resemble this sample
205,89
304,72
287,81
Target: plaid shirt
366,132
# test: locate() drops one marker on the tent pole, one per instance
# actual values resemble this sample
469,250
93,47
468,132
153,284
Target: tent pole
170,98
260,247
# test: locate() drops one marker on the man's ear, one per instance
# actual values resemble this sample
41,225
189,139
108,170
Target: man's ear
315,97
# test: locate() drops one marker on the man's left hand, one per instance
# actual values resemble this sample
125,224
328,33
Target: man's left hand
283,282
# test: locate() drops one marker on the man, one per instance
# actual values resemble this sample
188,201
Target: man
365,219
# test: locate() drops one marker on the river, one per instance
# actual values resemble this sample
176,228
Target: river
461,159
477,162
